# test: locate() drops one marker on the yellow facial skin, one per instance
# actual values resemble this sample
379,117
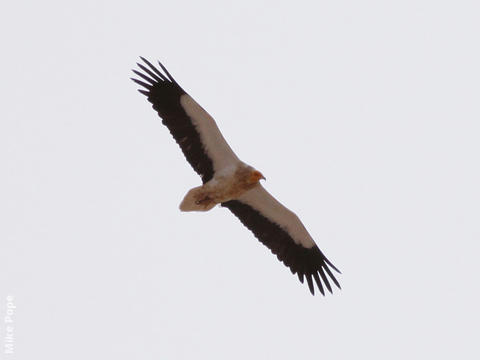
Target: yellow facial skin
255,176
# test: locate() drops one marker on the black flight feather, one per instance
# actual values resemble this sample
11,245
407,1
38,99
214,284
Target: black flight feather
164,93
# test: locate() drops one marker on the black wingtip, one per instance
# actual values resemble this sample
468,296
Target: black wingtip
145,77
150,65
156,74
141,83
166,72
332,266
300,277
325,279
332,277
319,283
310,284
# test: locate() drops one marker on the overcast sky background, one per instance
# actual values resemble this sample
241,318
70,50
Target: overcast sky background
364,118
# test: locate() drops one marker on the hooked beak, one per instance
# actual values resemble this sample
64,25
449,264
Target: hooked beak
256,176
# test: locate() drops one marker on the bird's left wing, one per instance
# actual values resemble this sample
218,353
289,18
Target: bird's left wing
283,233
192,127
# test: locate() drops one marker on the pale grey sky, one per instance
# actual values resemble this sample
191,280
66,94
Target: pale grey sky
364,118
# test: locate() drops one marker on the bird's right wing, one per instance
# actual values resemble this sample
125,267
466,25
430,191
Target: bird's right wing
283,233
192,127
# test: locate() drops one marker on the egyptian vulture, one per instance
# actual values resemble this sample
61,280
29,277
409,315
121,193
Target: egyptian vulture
230,182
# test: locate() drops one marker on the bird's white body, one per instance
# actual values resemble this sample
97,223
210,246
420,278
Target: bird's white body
228,184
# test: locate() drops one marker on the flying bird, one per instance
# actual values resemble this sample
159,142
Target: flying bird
230,182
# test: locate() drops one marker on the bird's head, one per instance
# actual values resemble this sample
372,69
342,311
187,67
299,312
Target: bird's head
255,177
